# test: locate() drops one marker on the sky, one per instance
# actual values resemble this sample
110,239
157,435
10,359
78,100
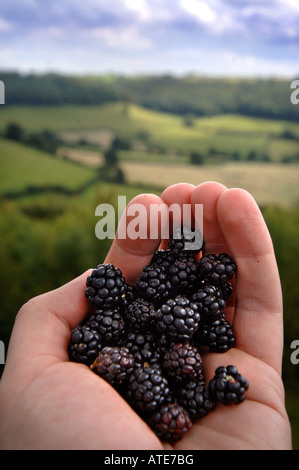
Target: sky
208,37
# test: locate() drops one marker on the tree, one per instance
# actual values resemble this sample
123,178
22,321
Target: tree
14,132
196,158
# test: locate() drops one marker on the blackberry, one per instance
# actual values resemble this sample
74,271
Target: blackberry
109,324
183,274
147,389
209,301
143,347
195,398
185,239
85,345
130,295
178,318
183,363
170,422
228,386
163,258
105,286
113,364
218,335
153,284
141,315
226,290
217,270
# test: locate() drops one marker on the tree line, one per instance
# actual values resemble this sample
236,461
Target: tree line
199,96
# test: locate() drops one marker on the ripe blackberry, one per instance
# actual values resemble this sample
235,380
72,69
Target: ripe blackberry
217,270
195,398
163,258
147,389
109,324
143,347
153,284
228,386
183,363
113,364
218,335
178,318
85,345
141,315
187,239
170,422
209,301
226,290
105,286
130,295
183,274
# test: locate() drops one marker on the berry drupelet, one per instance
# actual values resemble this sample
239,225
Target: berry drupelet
195,398
141,315
106,286
217,334
178,318
147,388
109,323
170,422
209,301
228,386
153,284
143,347
183,274
217,270
85,345
183,363
185,239
113,364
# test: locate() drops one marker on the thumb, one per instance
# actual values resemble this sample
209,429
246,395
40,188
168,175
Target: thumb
42,328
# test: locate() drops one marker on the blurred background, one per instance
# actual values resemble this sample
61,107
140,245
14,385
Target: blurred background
127,96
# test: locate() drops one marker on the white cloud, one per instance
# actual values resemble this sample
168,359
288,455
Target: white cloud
5,25
199,9
127,38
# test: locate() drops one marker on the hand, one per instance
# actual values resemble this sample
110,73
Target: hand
47,402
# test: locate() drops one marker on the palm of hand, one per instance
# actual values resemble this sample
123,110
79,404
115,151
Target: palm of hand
67,406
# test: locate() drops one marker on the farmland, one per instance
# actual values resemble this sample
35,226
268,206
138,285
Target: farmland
224,136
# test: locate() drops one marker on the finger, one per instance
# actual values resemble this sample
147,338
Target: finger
138,235
207,194
178,195
42,327
258,317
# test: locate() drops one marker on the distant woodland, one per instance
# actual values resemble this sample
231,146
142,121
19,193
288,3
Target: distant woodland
186,96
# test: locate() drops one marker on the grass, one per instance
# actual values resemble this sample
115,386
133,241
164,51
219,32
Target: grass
21,166
227,133
268,183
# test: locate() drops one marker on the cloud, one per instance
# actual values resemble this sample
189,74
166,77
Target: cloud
145,35
124,39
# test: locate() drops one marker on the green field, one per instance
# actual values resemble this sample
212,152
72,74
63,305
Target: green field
225,134
23,166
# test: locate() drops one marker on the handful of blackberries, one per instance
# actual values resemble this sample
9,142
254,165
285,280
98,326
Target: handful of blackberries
146,340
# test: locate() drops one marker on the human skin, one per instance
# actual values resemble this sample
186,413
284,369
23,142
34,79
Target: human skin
48,402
